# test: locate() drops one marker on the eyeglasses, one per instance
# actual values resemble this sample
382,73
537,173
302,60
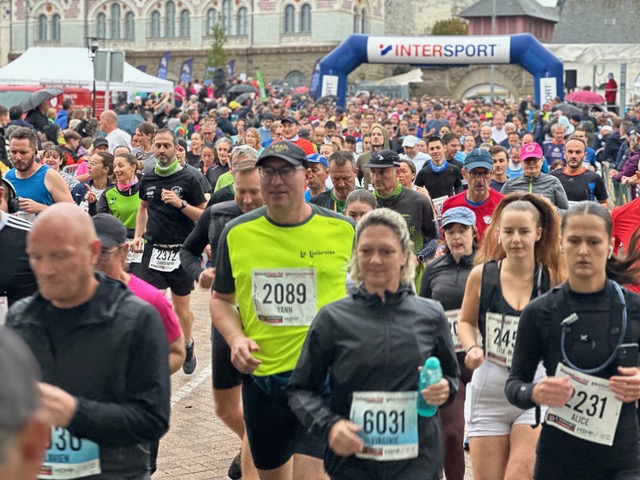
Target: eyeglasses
105,252
268,173
473,174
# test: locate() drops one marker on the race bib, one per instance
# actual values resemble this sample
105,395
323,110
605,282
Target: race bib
68,457
134,257
165,259
437,204
285,297
389,422
592,412
453,316
4,308
501,340
84,205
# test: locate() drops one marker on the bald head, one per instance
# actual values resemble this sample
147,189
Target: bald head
108,121
68,217
63,250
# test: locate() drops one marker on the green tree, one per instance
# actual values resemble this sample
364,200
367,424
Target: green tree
452,26
217,56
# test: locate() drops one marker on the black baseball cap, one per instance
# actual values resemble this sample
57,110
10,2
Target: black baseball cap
284,150
110,230
99,142
383,159
290,119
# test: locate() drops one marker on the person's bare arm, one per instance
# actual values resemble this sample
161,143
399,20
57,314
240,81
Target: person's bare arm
177,354
226,319
57,187
141,225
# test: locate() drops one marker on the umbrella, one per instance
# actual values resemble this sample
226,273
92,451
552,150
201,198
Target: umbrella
585,96
301,90
36,98
327,99
568,109
243,98
129,123
242,88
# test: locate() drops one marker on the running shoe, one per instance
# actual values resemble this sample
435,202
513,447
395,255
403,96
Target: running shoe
190,361
235,469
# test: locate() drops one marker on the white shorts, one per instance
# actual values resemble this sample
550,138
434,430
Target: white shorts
486,408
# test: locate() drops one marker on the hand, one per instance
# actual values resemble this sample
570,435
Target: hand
242,357
28,205
137,244
207,251
626,386
170,197
552,391
474,358
612,173
343,438
90,196
58,406
205,280
436,394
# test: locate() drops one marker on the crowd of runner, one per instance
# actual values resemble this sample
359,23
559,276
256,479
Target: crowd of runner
343,246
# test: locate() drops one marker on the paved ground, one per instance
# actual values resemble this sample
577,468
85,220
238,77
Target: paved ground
198,445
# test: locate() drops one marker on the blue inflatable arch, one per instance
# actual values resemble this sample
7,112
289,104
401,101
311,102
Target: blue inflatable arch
330,72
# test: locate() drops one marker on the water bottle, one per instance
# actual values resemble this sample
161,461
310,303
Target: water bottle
431,373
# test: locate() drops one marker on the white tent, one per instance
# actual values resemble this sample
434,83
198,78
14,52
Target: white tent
73,67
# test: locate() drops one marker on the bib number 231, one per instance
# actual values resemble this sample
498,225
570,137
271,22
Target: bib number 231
68,457
285,297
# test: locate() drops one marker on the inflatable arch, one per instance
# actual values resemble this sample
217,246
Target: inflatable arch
330,72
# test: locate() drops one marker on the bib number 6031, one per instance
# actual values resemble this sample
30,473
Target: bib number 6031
381,422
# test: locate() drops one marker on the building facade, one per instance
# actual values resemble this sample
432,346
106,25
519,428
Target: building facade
281,38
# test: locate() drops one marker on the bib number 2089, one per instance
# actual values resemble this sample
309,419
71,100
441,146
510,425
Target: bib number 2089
279,293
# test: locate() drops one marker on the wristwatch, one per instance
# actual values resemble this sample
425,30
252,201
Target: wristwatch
184,205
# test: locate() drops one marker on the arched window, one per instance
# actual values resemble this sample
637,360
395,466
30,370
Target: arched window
55,27
363,21
211,21
115,20
42,27
241,25
155,24
305,18
356,21
129,26
226,16
184,23
101,25
170,20
289,19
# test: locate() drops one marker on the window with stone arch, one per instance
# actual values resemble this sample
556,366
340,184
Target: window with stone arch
42,27
115,21
101,25
185,21
155,24
356,20
289,19
305,18
129,26
170,20
364,26
241,24
226,16
210,22
55,27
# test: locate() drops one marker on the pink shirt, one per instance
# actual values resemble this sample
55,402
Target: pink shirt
82,168
156,298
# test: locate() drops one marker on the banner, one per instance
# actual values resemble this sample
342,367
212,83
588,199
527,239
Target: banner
548,89
231,67
208,75
263,92
142,68
452,50
163,67
185,70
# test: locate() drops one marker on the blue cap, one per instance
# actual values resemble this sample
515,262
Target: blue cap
478,158
317,158
461,215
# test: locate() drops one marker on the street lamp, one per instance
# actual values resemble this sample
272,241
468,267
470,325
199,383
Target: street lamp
93,45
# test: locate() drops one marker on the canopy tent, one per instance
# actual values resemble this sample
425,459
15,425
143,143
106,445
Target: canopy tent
412,76
73,67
